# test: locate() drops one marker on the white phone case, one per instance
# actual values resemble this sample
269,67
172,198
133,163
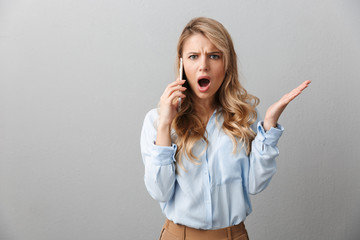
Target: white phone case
180,73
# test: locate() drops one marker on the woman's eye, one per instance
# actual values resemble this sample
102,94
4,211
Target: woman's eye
192,57
214,56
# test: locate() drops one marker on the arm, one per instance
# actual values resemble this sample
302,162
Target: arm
262,157
159,161
263,148
157,150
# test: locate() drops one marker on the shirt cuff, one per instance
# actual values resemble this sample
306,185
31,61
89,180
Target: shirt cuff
163,155
270,137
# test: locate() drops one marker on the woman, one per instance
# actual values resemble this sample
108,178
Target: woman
202,162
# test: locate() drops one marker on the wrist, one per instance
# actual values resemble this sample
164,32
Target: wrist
163,137
269,123
164,126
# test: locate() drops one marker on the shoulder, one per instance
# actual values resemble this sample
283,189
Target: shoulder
153,114
149,125
151,119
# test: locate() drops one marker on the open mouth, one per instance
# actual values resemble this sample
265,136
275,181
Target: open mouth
203,82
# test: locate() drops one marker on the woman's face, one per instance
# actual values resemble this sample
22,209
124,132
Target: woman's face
203,66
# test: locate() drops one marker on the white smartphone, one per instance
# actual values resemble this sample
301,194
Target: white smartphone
180,77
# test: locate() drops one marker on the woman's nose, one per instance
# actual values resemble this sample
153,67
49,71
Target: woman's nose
204,64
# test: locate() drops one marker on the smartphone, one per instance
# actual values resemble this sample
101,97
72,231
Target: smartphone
181,76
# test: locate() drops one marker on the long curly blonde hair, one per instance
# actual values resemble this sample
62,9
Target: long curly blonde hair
231,100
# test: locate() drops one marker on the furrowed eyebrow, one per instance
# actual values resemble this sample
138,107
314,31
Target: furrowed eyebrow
215,53
191,53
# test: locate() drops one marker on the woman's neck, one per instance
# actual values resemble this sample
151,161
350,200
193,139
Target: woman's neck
204,110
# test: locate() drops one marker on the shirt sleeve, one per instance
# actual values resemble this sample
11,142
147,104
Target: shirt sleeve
262,157
159,161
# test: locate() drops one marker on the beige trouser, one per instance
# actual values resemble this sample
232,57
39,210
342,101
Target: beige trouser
172,231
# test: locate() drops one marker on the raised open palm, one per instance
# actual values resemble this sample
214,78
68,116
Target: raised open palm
274,111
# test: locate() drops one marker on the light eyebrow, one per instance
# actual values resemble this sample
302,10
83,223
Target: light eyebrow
191,53
215,52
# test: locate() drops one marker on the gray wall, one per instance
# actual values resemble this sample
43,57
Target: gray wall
77,77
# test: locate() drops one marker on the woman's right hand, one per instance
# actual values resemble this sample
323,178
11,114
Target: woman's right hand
168,110
169,102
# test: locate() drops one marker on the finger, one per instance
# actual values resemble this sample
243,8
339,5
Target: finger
304,85
290,96
171,88
295,92
177,82
175,97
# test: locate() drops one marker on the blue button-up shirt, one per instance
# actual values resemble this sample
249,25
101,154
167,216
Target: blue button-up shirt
215,193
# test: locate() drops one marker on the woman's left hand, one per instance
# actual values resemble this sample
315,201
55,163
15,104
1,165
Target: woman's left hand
274,111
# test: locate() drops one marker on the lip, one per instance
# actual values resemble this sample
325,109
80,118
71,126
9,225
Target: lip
204,89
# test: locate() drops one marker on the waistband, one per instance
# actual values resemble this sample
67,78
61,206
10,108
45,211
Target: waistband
222,233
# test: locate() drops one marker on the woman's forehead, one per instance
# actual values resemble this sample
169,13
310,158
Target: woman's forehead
198,42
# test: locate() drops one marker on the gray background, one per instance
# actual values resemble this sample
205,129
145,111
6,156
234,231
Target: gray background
77,78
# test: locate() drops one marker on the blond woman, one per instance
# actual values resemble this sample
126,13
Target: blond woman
203,162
